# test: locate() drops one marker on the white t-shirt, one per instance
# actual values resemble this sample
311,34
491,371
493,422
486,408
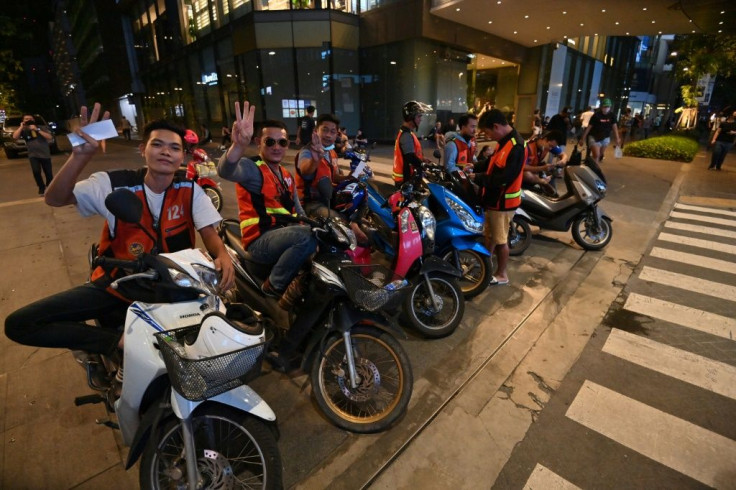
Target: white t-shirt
91,193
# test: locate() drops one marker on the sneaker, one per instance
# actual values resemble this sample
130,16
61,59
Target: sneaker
294,291
269,290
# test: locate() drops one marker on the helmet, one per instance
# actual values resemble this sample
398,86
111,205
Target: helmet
191,137
414,108
200,156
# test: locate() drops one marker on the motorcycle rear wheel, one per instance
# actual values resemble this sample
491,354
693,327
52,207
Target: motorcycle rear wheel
585,234
476,269
421,313
215,196
244,452
386,381
520,236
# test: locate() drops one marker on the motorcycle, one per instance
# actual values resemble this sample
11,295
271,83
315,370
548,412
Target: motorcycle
185,409
360,374
577,208
201,169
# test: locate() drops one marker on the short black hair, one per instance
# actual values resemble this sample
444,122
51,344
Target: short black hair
553,135
489,118
162,124
310,109
328,118
269,123
465,118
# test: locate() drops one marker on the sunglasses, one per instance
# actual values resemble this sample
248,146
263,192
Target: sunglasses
283,142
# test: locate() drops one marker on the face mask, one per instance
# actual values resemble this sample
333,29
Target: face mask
331,147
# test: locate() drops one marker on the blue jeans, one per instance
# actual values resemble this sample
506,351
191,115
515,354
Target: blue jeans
720,150
287,248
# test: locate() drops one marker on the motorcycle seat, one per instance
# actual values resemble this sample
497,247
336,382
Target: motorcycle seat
232,230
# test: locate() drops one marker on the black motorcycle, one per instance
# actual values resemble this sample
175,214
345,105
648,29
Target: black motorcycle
360,374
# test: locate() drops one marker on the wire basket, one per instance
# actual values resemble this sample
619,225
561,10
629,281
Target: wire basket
373,286
198,379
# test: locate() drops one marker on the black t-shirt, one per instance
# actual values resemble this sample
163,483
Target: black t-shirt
306,128
726,128
559,123
601,125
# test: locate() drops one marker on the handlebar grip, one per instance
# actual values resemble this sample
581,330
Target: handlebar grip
108,263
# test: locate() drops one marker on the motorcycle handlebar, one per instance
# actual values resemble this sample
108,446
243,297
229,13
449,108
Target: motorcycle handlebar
109,263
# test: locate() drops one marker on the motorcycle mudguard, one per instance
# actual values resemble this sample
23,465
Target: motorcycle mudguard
436,264
148,422
243,398
602,214
463,243
207,182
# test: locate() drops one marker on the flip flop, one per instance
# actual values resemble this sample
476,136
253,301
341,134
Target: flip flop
496,282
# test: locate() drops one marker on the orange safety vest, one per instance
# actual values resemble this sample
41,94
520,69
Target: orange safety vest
307,188
259,213
398,171
175,229
465,151
509,197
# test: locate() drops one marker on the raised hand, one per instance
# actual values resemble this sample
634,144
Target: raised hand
90,147
242,132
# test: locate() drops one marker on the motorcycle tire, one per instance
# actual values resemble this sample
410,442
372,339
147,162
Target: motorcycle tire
246,452
419,310
215,196
520,236
588,238
476,269
386,381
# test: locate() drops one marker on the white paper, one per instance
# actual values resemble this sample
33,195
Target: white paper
358,170
101,130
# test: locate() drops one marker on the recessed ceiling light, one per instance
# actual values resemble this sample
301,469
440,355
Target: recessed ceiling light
564,12
499,2
654,21
581,24
603,10
490,22
719,31
723,12
547,27
535,40
644,8
514,32
720,23
627,33
457,9
660,32
526,17
616,22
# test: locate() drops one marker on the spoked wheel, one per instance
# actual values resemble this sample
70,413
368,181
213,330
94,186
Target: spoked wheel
384,381
440,319
588,235
520,236
234,450
476,269
215,196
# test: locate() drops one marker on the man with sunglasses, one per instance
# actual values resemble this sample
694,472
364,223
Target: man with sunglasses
266,192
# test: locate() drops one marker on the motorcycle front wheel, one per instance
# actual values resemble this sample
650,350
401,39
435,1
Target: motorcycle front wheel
476,269
215,196
234,450
384,375
520,236
588,235
421,312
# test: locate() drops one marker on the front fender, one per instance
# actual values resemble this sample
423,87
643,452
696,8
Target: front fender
602,214
243,398
206,181
475,244
435,264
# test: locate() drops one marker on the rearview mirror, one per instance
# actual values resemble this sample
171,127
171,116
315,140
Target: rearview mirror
437,154
124,205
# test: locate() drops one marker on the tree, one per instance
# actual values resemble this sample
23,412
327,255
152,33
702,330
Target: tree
12,68
699,55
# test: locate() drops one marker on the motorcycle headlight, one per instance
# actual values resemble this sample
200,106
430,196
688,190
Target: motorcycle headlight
345,236
468,221
429,224
600,186
207,278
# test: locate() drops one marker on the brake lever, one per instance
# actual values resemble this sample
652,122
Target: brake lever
150,274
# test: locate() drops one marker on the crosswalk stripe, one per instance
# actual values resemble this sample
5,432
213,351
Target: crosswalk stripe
693,259
708,230
543,478
706,219
691,283
697,242
691,368
690,207
700,320
676,443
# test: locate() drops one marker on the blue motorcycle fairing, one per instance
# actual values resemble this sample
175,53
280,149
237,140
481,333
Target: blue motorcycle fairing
441,192
475,244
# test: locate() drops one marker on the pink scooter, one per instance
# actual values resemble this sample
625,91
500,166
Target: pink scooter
201,170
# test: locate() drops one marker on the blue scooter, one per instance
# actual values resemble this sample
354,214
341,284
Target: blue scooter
459,230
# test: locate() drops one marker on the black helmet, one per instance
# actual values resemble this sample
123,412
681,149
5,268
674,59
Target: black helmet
413,108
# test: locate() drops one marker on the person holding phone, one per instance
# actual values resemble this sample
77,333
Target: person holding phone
39,150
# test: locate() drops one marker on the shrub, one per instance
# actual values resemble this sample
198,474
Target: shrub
677,148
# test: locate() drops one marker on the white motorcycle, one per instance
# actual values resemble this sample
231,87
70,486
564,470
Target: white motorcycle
211,430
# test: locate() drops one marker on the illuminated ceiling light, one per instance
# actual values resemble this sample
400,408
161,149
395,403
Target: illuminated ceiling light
616,22
271,53
603,10
547,27
719,31
535,40
723,12
515,32
627,33
581,24
490,22
564,12
720,23
457,9
644,8
660,32
653,21
526,17
393,62
499,2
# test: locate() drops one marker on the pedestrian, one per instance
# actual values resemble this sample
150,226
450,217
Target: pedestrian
39,151
408,156
437,135
561,123
60,321
306,127
536,123
126,127
360,142
500,187
460,146
646,126
450,126
206,134
722,141
624,125
226,136
598,132
484,156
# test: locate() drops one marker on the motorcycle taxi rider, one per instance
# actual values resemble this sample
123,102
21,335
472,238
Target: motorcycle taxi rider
266,191
173,209
536,172
408,155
